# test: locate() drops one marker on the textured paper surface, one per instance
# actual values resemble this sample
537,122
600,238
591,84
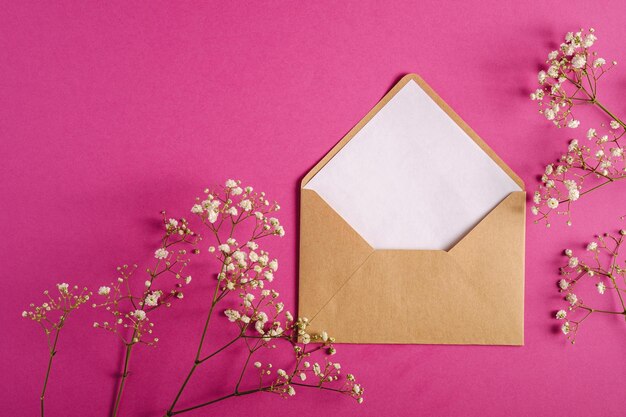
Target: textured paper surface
412,178
470,294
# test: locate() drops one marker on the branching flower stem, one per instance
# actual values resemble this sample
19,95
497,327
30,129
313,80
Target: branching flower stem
245,267
52,353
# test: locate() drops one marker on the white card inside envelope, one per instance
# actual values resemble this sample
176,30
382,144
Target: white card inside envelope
411,178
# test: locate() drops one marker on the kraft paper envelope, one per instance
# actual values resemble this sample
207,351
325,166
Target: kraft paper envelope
412,231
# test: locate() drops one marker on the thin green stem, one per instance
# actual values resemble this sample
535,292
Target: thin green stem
129,348
52,352
197,360
225,397
252,391
608,112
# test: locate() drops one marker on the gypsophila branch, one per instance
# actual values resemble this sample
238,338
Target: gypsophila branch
52,316
131,311
238,218
598,159
606,271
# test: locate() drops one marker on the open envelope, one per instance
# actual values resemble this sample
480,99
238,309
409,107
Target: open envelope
412,231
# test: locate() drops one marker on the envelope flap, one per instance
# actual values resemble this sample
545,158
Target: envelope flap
330,252
439,101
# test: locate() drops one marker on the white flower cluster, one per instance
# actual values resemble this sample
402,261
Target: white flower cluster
567,66
262,314
131,311
603,159
578,270
68,300
570,80
244,266
233,211
236,203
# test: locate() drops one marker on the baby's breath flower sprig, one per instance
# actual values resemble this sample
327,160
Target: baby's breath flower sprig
52,316
131,309
261,320
595,161
604,269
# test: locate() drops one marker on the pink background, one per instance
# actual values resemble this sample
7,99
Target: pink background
111,112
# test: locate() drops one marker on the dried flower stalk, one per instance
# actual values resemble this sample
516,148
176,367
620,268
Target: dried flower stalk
52,316
261,321
132,310
606,271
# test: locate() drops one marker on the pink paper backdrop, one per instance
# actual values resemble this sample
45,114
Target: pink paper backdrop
110,112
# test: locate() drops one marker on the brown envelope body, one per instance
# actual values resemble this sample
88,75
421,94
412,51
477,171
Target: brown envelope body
470,294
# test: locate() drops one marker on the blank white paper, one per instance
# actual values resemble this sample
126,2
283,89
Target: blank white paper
412,178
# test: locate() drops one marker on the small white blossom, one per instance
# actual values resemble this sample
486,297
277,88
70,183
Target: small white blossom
571,298
161,253
552,203
247,300
549,169
541,77
614,124
565,328
104,290
273,265
259,326
573,262
592,246
139,314
563,284
233,315
599,62
553,71
589,40
601,287
561,314
573,124
152,299
579,61
231,184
